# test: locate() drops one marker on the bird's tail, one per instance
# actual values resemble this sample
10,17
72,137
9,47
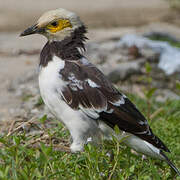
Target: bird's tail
170,163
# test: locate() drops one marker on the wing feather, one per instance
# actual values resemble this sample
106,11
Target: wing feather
103,101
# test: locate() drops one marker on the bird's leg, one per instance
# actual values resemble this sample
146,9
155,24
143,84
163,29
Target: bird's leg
79,137
82,135
78,142
83,138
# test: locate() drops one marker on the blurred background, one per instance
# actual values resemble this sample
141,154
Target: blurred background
102,13
134,42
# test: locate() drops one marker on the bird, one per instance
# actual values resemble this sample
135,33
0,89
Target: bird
79,95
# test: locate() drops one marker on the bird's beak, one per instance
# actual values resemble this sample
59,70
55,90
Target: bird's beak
31,30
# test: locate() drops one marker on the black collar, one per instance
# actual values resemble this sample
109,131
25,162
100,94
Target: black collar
66,49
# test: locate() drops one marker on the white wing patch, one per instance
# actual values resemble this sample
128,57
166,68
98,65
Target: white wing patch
75,82
90,112
119,102
92,83
124,96
109,111
143,122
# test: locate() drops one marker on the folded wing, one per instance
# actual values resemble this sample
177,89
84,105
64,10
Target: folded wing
89,90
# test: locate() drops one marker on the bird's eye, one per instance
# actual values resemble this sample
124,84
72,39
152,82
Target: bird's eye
54,23
58,25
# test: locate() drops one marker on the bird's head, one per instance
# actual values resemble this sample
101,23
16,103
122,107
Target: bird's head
55,24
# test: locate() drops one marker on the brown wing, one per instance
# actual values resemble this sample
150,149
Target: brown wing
89,90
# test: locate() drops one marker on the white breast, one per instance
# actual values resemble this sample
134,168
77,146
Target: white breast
51,84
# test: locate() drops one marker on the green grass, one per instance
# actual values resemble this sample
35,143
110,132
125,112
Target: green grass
112,160
166,39
175,4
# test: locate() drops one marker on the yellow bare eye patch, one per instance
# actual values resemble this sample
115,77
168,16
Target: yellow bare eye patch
59,25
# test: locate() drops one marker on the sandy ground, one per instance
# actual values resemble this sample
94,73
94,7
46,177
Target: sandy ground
16,15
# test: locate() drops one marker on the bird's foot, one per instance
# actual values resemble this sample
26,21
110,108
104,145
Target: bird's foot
77,147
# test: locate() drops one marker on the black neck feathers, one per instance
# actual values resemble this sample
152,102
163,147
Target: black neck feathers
66,49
